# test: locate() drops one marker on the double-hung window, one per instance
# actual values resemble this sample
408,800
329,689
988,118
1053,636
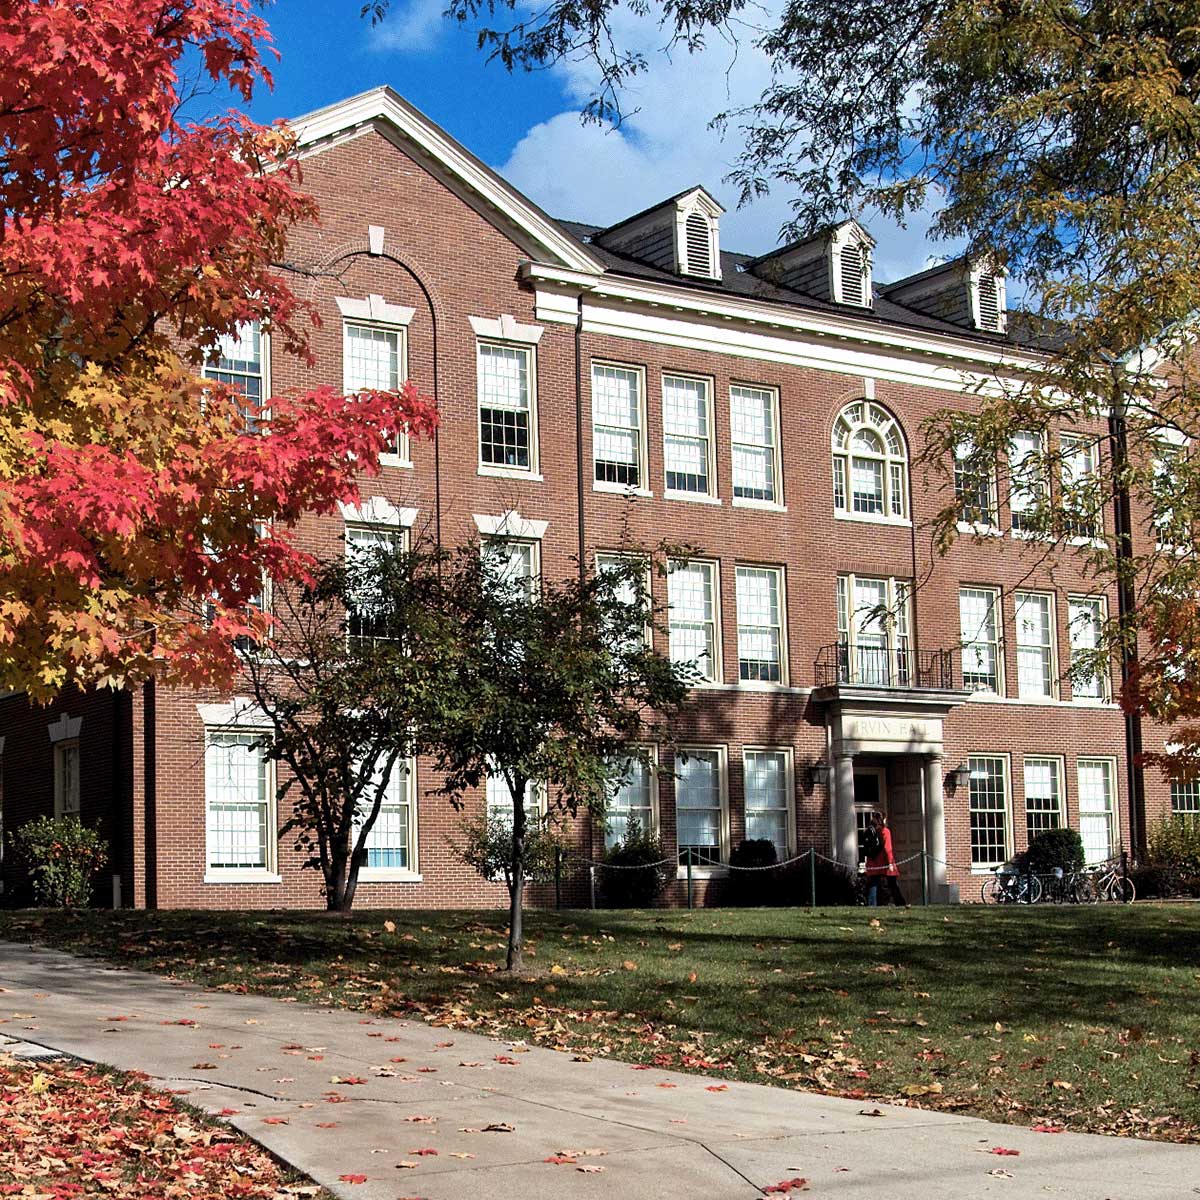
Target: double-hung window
239,801
618,426
512,563
366,619
1096,795
988,809
1036,676
630,798
373,360
754,421
760,609
500,800
391,843
974,485
507,407
239,361
982,648
1080,476
1185,800
701,814
688,436
1027,481
1043,795
634,586
873,639
1170,520
693,617
66,778
767,791
1085,624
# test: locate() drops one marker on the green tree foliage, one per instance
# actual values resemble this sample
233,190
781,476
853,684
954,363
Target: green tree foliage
552,681
62,856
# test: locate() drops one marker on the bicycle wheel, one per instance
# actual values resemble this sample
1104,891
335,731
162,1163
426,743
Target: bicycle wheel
1031,889
993,891
1122,890
1083,890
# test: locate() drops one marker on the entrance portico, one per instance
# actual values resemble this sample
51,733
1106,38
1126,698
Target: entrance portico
896,735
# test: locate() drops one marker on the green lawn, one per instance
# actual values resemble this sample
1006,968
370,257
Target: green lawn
1083,1017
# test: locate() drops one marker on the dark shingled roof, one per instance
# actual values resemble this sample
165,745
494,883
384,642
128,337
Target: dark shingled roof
737,282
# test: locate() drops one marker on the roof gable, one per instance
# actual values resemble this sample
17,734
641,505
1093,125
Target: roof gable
495,199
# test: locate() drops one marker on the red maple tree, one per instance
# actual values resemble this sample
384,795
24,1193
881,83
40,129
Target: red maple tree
140,507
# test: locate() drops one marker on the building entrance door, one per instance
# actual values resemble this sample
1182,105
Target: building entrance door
870,794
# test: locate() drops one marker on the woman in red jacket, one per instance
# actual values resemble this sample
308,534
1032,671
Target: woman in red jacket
881,864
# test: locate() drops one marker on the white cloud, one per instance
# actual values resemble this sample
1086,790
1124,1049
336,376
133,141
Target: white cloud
599,175
415,25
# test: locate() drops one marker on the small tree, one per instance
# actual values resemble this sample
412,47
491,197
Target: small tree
63,856
349,678
554,681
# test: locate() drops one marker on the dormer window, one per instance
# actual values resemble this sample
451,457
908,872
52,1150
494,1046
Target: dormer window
697,249
988,308
851,267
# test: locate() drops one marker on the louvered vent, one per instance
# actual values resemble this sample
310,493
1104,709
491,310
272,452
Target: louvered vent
698,248
853,277
989,303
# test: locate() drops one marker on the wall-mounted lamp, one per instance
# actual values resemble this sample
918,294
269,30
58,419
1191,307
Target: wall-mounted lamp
960,777
818,773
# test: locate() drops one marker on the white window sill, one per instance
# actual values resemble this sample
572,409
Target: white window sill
872,519
761,505
1029,535
620,489
510,473
692,497
721,872
978,529
1093,543
1047,702
984,869
383,875
243,877
394,460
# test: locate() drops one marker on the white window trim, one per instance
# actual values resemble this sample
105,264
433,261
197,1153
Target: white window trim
1040,489
1114,813
721,871
997,593
648,577
1105,680
499,470
65,729
1062,786
378,510
621,489
1055,690
978,270
842,238
391,318
784,675
887,517
682,212
789,783
506,328
655,810
713,495
411,874
264,349
269,873
510,525
718,678
778,504
987,868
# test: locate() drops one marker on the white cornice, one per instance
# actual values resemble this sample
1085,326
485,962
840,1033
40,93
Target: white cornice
375,308
390,113
665,302
511,525
506,329
377,510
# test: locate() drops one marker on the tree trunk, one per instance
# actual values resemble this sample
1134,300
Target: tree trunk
516,887
335,884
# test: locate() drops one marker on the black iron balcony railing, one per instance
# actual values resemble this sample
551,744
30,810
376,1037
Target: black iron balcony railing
885,667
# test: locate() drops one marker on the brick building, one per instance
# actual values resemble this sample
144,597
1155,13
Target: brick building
598,386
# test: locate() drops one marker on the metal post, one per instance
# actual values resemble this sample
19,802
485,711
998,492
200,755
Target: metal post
592,882
689,876
812,877
924,879
557,878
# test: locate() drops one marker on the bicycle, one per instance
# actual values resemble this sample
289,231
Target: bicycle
1113,884
1008,886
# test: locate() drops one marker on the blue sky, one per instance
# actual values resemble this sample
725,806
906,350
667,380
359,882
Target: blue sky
527,126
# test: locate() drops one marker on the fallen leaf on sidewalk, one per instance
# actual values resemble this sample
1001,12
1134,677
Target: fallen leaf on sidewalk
1048,1129
870,1112
560,1160
787,1185
353,1178
589,1169
717,1087
499,1127
276,1121
1004,1150
1000,1173
425,1152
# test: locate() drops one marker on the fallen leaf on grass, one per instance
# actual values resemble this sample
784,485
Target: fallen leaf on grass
921,1089
629,965
389,926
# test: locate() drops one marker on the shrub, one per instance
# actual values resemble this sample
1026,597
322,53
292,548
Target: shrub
756,886
1053,848
837,884
639,873
1174,844
486,845
62,856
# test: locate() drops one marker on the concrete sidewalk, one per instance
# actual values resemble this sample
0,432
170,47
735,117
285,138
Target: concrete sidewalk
337,1094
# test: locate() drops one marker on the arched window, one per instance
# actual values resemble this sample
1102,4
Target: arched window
870,462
